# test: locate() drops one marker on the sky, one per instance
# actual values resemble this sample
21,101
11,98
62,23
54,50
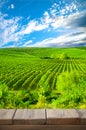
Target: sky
42,23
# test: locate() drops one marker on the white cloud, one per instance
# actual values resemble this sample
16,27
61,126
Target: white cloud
62,41
58,22
74,20
46,18
40,27
27,43
12,6
11,30
30,27
8,29
36,25
51,18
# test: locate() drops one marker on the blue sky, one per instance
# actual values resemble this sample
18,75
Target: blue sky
42,23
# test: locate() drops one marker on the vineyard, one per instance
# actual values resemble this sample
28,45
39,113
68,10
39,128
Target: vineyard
43,77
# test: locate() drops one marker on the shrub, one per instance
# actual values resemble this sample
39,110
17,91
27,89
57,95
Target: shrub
72,87
62,56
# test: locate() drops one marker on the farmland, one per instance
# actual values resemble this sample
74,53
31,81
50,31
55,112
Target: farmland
43,77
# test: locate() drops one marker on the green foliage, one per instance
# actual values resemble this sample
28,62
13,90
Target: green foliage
54,56
72,89
62,56
3,91
67,81
43,77
5,97
16,99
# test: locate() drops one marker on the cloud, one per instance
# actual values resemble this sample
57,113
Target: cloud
27,43
58,17
79,20
68,19
50,19
76,33
12,6
32,26
8,29
63,41
4,2
29,27
12,31
69,9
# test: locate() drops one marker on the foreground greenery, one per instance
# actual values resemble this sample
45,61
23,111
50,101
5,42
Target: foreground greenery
43,78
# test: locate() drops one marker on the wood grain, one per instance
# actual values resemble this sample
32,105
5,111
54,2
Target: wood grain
29,116
62,116
6,116
82,116
43,127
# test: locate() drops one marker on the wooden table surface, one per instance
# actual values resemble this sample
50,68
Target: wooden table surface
43,119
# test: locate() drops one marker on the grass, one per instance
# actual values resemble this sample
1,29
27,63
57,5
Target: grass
43,77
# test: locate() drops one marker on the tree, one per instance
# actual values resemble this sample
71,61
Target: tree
63,56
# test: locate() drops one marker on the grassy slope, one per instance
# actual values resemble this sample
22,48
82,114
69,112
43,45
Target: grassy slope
44,52
22,56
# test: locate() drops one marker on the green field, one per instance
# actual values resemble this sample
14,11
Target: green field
43,77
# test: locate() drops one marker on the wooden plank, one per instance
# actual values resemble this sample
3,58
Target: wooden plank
29,116
82,114
62,116
6,116
43,127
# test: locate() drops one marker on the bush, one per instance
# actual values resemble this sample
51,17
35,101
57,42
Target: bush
62,56
54,56
72,89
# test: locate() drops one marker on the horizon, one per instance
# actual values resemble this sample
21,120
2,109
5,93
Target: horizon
42,23
42,47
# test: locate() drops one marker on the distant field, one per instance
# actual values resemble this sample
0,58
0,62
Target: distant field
43,77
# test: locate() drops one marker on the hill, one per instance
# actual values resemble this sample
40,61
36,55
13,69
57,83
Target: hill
43,77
